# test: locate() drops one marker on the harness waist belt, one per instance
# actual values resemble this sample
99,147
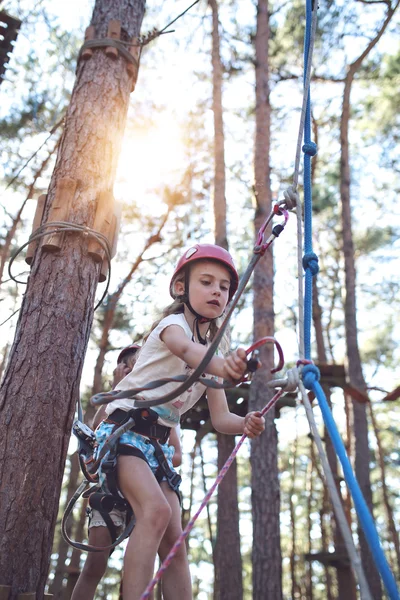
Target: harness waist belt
145,422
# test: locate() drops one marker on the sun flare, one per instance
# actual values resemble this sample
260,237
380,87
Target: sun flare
150,159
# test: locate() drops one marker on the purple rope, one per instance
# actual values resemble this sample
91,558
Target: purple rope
189,526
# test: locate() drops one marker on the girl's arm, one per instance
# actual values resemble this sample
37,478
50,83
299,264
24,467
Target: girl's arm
174,440
233,367
253,424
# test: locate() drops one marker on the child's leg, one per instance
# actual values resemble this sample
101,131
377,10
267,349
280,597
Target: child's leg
152,512
94,567
176,582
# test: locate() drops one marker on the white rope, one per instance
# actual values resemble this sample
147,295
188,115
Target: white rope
336,501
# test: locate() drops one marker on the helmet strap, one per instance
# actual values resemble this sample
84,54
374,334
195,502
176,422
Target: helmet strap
202,340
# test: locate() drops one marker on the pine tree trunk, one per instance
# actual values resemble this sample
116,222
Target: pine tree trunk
362,468
394,536
56,587
267,565
228,584
41,383
360,424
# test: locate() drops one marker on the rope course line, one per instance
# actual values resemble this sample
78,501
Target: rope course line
55,227
336,501
310,373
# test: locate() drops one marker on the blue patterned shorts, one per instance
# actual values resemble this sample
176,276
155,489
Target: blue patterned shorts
130,438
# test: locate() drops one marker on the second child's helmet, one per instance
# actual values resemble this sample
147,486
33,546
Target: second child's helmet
127,351
206,252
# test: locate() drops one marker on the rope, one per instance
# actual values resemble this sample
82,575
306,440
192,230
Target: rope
336,501
107,397
310,373
189,526
310,379
259,250
61,227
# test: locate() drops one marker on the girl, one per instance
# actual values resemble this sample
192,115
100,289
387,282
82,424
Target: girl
204,281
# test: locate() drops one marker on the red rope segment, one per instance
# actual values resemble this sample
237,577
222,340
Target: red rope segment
189,526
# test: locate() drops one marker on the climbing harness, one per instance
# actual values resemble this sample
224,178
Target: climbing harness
141,421
107,397
189,526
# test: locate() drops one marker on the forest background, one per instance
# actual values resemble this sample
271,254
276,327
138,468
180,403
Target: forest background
165,182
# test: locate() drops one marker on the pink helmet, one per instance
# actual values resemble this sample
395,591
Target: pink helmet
207,252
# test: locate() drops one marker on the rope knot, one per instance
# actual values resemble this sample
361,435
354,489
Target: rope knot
291,198
310,374
310,148
292,380
310,261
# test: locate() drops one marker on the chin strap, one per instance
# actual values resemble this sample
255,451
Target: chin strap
202,340
200,320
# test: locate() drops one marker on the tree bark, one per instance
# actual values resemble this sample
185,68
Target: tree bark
228,583
362,468
56,586
41,383
394,536
267,560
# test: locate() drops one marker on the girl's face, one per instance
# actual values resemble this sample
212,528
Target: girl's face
209,288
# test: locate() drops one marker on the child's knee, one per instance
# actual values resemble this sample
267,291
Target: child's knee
158,514
95,565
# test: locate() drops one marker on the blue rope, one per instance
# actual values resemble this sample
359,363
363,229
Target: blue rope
310,260
310,378
310,373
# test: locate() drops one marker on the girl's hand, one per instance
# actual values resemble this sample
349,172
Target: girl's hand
235,365
254,424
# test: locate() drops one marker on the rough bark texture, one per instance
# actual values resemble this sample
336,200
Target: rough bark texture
41,383
267,567
219,137
391,525
356,376
56,587
228,584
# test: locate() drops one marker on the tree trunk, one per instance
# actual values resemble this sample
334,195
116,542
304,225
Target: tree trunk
41,383
356,376
267,566
394,536
56,587
228,583
292,511
73,568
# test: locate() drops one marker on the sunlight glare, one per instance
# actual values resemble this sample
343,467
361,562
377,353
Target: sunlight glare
150,160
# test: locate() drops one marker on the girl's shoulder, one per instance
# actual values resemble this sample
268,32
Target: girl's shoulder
176,319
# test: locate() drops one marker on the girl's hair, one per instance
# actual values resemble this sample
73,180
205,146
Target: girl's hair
177,307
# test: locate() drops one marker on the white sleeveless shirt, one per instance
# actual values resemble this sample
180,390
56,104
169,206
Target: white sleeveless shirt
155,361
